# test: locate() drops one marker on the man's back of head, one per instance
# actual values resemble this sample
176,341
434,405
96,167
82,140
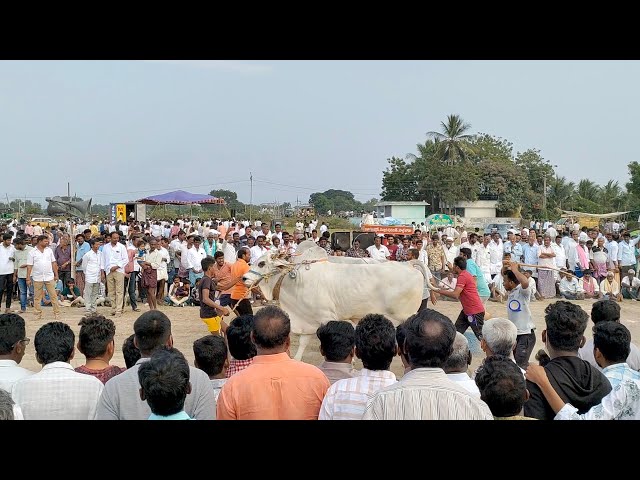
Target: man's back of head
130,352
460,358
502,386
239,338
12,330
337,340
152,330
429,340
613,341
566,323
210,354
54,342
375,339
605,311
164,381
271,329
499,336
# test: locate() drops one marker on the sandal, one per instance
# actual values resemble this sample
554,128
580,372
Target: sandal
137,310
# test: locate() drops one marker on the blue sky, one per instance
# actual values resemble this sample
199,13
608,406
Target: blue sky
121,130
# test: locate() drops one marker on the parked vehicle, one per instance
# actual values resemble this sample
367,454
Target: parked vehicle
44,222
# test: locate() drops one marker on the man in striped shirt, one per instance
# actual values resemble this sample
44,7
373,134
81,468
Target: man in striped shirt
425,393
346,399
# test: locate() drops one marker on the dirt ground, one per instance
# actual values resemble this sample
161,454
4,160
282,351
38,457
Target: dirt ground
187,327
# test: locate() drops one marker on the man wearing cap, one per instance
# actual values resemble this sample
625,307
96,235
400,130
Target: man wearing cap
610,288
626,254
377,250
450,252
211,245
630,285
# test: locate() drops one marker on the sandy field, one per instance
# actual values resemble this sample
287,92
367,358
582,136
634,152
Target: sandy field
187,327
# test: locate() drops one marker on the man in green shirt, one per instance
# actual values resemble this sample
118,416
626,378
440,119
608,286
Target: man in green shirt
70,295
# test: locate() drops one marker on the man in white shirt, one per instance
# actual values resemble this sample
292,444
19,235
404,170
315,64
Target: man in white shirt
93,275
377,250
42,269
450,252
13,344
569,287
7,270
57,392
114,259
457,364
323,228
630,285
258,250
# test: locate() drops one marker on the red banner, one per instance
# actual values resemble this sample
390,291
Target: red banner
389,230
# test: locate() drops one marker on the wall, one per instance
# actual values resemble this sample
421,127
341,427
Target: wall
408,213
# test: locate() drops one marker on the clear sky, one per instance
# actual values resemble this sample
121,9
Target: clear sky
122,130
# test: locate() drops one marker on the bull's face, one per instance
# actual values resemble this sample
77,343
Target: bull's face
265,267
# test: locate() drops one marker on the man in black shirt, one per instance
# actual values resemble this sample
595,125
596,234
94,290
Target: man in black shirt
211,312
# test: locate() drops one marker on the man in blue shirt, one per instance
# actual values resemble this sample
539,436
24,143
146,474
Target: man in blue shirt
476,272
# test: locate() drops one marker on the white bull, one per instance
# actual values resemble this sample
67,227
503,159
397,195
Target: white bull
315,293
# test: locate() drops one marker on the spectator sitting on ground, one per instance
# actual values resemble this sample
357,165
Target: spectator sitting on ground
211,356
337,346
164,384
502,387
96,342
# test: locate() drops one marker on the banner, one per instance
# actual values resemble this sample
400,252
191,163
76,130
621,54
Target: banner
389,230
121,212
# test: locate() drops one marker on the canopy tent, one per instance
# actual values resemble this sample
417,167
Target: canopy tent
180,197
569,213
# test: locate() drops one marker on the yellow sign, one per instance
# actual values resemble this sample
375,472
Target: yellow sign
121,212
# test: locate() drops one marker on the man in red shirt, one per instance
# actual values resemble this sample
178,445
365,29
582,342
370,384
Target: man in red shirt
392,246
472,314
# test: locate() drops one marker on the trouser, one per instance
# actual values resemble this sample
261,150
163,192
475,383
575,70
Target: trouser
242,306
131,289
22,286
524,347
6,288
475,321
64,276
573,296
193,276
225,300
80,280
178,301
38,295
115,286
630,293
91,292
172,272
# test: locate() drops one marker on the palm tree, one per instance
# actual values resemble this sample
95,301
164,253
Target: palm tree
561,191
588,190
611,195
453,144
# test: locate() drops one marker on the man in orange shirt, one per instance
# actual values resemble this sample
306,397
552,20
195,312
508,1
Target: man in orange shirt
239,291
274,386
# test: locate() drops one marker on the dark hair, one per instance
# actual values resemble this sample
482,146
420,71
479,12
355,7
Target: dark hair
210,352
7,236
218,254
165,381
466,252
566,323
337,339
81,235
206,262
375,341
511,276
41,237
115,232
96,333
605,311
414,253
129,351
502,386
613,340
401,336
12,330
460,262
152,330
430,337
271,327
54,343
239,338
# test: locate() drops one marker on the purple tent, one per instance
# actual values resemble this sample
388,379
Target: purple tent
180,197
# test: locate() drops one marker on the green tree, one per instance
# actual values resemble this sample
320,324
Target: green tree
509,183
560,193
489,147
537,170
633,186
588,190
231,198
611,196
453,144
399,181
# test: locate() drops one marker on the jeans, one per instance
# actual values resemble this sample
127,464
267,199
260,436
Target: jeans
22,286
630,293
133,280
64,277
6,288
475,321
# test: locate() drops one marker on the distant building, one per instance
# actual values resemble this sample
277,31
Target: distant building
406,212
477,209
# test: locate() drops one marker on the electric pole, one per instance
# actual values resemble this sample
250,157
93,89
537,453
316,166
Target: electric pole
250,197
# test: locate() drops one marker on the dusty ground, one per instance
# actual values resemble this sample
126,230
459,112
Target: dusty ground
187,327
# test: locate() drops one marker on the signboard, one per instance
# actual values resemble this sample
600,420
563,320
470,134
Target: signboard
389,230
141,212
439,219
121,212
112,212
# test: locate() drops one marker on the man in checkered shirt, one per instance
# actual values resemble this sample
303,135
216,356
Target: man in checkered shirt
241,348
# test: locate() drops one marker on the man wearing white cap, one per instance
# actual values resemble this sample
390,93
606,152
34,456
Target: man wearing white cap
630,285
211,245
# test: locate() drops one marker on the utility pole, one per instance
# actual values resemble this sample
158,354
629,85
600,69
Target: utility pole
250,197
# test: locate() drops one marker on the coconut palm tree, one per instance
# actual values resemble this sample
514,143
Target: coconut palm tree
611,195
453,144
560,192
588,190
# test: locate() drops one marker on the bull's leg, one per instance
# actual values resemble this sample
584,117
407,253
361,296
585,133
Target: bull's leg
303,341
